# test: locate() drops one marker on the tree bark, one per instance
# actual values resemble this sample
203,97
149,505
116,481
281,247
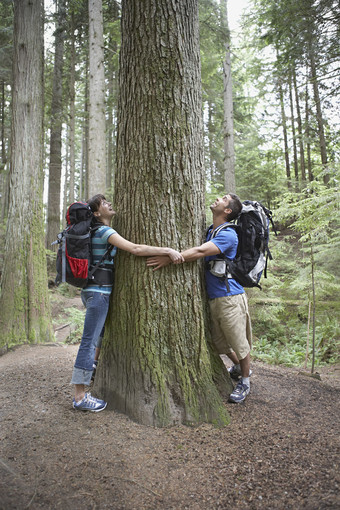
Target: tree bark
229,149
285,136
300,134
296,166
24,302
72,121
54,179
97,145
307,136
156,365
319,117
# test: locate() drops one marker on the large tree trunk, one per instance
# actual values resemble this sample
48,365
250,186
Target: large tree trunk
228,127
97,145
54,179
24,303
156,365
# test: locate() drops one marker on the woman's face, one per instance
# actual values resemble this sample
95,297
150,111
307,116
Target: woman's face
105,210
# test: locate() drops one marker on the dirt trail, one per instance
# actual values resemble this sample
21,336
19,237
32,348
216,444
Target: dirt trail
281,450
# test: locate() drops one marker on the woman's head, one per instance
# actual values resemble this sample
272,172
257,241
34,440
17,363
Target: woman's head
101,208
95,202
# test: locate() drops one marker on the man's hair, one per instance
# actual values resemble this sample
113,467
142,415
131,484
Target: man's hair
235,205
95,202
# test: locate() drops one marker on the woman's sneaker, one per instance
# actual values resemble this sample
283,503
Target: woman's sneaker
89,403
235,372
239,393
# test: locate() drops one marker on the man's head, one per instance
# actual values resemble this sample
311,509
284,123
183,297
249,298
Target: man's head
229,207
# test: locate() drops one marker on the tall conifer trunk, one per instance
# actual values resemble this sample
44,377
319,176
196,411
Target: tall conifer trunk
285,135
97,142
24,303
300,134
155,363
228,125
54,179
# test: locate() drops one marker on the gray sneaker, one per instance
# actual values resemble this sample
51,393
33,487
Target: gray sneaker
239,393
89,403
235,372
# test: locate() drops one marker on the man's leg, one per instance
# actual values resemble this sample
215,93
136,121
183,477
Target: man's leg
245,366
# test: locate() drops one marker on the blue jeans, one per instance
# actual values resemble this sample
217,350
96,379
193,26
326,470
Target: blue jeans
97,306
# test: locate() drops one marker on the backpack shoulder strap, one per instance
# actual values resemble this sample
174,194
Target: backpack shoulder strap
222,227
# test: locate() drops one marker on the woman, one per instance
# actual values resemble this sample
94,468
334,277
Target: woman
96,298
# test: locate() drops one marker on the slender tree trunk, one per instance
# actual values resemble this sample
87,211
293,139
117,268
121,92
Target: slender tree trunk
313,303
319,117
307,136
54,180
160,372
24,302
285,135
211,166
3,138
300,134
72,130
85,139
4,170
97,145
229,149
296,166
111,126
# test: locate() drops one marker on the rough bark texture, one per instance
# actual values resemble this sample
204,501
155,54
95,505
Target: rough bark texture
24,300
156,366
97,151
54,180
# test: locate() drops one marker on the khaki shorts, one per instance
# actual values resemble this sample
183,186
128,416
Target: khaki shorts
231,325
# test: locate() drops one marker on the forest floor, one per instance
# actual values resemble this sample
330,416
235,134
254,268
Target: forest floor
280,451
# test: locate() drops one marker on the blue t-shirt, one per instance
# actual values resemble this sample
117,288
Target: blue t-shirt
99,246
227,241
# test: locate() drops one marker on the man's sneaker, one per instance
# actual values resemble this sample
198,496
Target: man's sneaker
235,372
239,393
89,403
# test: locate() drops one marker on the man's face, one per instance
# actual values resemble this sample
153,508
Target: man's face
220,204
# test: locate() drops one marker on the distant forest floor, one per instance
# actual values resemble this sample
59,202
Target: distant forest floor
280,451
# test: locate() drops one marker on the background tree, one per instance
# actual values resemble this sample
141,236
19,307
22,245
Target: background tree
57,113
159,372
25,313
96,143
229,149
6,57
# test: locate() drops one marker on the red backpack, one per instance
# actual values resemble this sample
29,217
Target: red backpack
74,256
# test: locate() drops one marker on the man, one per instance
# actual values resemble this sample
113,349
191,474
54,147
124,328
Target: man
231,326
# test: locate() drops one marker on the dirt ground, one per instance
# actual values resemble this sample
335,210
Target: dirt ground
281,450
